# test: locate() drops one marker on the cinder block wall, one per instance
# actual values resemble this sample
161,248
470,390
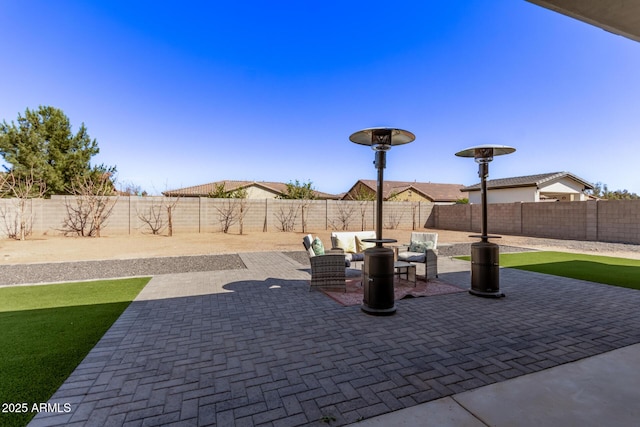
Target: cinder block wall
618,221
607,221
602,220
556,220
453,217
506,217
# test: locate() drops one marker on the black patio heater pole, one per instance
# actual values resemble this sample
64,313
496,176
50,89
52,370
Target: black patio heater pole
377,272
485,256
380,162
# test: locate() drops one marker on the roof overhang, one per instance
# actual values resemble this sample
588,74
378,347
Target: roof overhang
498,187
616,16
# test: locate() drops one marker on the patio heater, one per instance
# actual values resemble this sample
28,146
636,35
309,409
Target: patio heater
378,270
485,256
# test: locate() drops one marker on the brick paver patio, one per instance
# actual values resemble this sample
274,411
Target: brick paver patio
254,347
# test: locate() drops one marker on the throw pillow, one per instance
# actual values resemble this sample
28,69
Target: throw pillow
361,246
317,246
420,246
348,245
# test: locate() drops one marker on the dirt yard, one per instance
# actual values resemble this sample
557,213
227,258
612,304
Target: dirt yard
39,249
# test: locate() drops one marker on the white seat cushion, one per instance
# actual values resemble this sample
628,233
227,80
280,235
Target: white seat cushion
411,256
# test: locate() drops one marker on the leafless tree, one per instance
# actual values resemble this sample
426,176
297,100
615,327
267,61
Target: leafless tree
304,207
365,198
89,206
128,188
344,217
393,220
242,212
170,204
287,217
153,217
17,220
227,214
303,194
234,208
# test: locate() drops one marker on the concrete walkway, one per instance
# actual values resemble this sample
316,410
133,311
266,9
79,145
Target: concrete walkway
254,347
597,391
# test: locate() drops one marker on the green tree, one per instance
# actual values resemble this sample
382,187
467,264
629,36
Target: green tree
299,190
365,197
42,141
303,192
602,191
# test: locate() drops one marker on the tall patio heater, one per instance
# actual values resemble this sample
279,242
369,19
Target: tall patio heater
485,256
378,271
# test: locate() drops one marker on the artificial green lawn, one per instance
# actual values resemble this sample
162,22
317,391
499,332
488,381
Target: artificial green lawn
46,331
602,269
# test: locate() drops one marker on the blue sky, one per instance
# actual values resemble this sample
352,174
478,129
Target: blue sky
185,93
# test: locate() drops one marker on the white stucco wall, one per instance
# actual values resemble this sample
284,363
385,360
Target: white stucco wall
565,185
566,190
506,195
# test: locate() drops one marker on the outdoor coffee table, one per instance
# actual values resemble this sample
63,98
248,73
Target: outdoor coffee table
406,268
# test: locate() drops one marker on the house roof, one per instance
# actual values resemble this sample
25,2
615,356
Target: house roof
432,191
204,190
529,181
618,17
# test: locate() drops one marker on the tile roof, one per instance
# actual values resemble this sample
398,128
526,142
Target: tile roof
529,181
433,191
204,190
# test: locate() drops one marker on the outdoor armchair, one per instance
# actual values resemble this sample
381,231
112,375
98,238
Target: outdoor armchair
328,269
421,249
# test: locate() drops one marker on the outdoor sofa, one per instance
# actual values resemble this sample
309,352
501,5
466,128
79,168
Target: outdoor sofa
351,242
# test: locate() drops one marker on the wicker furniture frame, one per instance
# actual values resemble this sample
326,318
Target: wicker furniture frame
430,258
328,271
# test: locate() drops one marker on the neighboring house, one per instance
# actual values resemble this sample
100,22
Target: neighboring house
255,190
555,186
407,191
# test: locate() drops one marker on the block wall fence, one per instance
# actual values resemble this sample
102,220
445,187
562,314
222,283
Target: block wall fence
606,221
203,215
601,220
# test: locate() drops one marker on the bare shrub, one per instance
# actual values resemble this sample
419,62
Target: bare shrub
89,206
242,212
169,206
344,216
303,193
153,217
17,220
287,217
227,214
393,220
234,208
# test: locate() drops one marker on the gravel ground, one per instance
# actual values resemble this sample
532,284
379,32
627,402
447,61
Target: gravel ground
583,246
89,270
299,256
460,249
